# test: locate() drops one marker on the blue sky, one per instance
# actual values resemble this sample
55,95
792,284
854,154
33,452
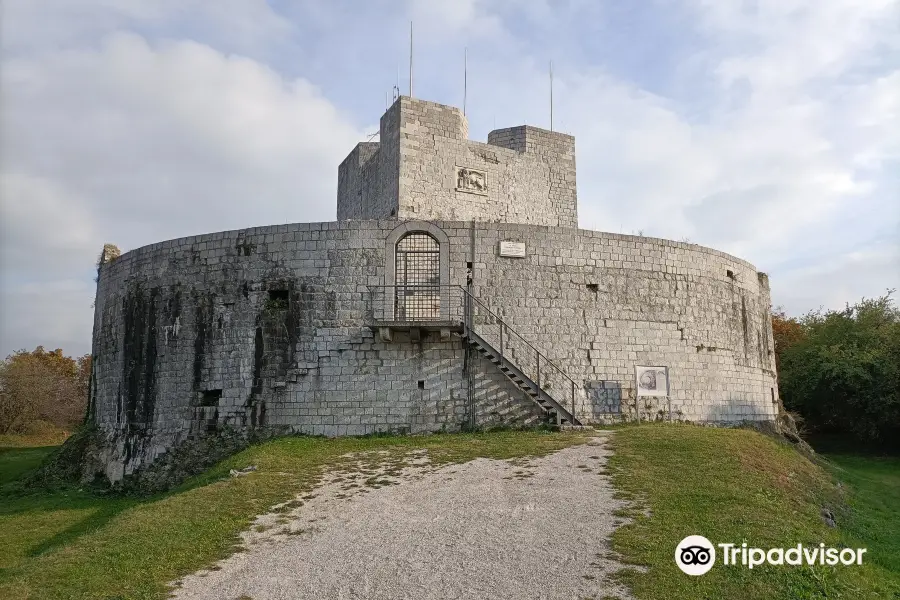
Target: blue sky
765,128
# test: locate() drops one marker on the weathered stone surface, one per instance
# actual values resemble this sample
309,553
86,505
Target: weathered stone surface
413,172
270,326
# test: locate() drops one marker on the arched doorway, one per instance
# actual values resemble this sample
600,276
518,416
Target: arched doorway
417,274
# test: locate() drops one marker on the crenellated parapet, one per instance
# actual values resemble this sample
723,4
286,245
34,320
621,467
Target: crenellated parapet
425,167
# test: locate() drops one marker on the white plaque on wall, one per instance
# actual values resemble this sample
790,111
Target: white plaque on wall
512,249
652,381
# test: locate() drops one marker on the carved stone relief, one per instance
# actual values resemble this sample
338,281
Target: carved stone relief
470,180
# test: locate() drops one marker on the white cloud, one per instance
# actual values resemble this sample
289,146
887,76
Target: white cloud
868,272
795,41
155,141
54,314
132,122
42,25
44,226
440,22
134,142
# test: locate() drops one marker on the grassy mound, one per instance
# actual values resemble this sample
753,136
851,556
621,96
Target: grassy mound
728,485
22,454
75,544
736,486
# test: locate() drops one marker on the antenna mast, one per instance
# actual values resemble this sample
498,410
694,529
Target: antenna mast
410,57
465,77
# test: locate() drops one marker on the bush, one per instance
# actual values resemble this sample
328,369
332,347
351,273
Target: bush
42,386
70,463
841,370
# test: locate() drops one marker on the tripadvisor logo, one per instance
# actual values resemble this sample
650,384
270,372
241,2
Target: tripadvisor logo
696,555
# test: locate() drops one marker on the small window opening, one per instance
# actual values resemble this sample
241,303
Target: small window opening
729,274
773,394
421,384
210,397
593,287
278,299
468,265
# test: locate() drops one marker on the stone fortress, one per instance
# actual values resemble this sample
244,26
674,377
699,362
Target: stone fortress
454,291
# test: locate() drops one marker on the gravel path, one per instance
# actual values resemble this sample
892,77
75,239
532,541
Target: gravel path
534,528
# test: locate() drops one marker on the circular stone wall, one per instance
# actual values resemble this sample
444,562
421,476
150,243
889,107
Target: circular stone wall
270,327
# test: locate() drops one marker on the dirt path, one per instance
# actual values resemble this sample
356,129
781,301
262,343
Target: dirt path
535,528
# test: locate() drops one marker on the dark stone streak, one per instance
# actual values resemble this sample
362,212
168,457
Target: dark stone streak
746,327
139,363
200,342
257,362
135,326
149,396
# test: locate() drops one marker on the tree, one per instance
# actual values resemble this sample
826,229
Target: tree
786,332
42,386
842,371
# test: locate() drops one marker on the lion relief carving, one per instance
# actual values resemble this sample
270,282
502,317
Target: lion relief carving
470,180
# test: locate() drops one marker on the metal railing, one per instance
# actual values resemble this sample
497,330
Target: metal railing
416,304
520,352
455,305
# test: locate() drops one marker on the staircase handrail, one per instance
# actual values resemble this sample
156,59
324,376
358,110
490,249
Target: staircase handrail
541,356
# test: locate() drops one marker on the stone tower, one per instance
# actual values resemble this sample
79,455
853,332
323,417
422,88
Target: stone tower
522,174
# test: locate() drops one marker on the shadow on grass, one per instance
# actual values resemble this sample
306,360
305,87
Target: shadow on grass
842,444
16,497
873,519
16,462
15,500
106,512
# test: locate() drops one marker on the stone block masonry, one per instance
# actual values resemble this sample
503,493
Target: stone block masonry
272,327
529,173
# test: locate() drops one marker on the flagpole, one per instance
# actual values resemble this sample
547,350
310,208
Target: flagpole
410,58
465,77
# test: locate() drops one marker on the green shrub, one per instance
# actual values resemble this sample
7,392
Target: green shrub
843,374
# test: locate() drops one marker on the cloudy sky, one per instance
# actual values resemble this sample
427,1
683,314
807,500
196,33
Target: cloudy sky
766,128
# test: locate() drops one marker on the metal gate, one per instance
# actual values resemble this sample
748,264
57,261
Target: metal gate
418,277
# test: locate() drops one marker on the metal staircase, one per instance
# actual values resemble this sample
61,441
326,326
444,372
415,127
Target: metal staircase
515,356
455,309
549,404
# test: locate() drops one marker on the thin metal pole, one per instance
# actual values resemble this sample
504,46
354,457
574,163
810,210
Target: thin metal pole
551,95
539,370
668,395
501,339
573,403
410,58
465,77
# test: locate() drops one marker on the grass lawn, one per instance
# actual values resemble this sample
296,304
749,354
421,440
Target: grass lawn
77,545
739,486
874,501
728,485
22,453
